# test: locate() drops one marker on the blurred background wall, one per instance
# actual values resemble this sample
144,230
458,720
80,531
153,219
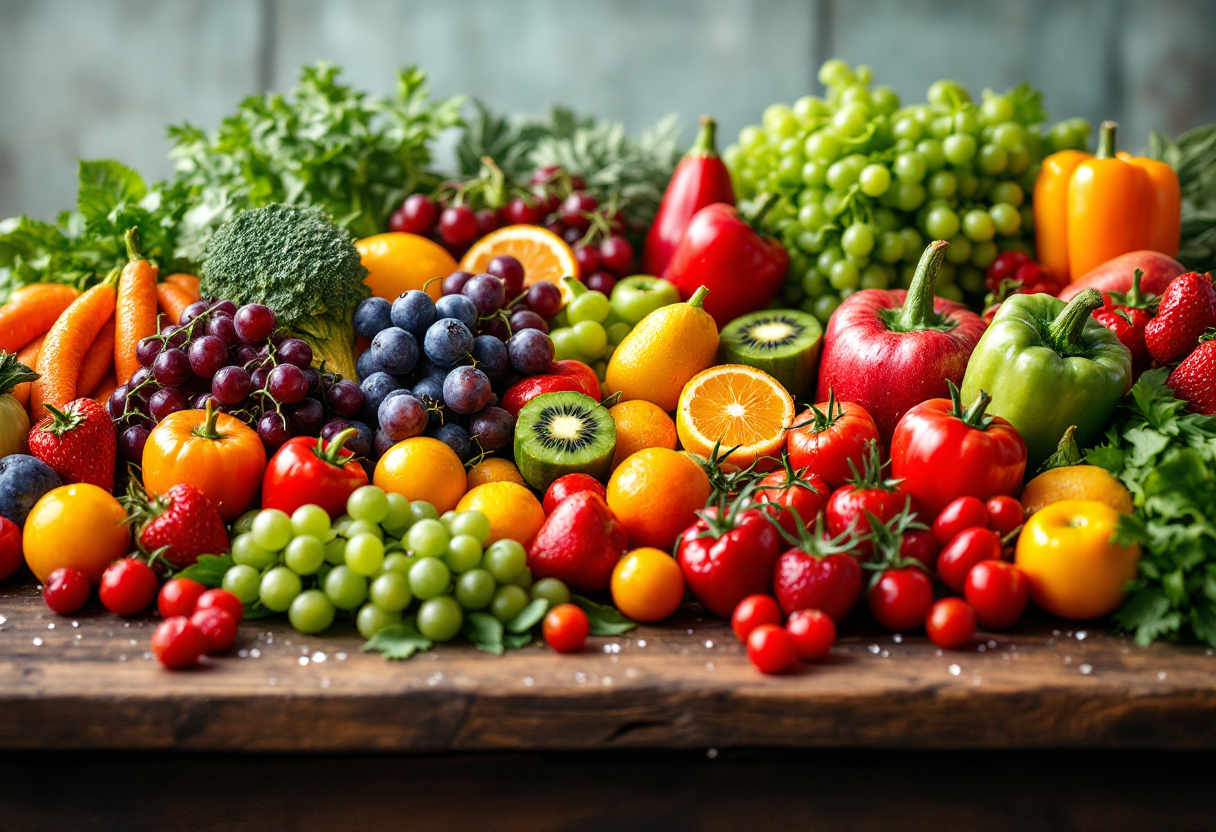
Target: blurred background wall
102,78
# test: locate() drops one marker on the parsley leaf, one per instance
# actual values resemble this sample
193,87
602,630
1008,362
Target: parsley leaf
604,620
208,570
484,631
399,641
529,616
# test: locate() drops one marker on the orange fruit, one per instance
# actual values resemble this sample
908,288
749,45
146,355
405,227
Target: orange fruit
494,469
514,511
641,424
397,262
543,254
735,405
77,526
1076,482
656,494
422,468
647,585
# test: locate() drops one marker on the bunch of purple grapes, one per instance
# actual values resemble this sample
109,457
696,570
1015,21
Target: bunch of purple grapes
438,368
231,359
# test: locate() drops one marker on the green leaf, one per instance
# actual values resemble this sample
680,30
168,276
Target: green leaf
484,631
104,186
399,641
529,616
514,641
208,570
604,620
1027,104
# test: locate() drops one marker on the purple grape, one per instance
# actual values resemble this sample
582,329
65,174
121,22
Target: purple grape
458,307
371,316
456,438
544,299
147,349
414,311
297,352
203,399
466,390
496,328
453,283
259,377
273,430
493,428
195,385
490,356
165,401
382,443
376,388
193,311
448,341
247,355
254,323
307,416
333,427
487,293
527,319
531,351
223,309
131,443
395,350
402,416
572,235
171,367
430,391
345,398
175,336
510,271
231,384
287,384
600,281
117,402
139,378
223,329
366,365
207,355
361,443
314,382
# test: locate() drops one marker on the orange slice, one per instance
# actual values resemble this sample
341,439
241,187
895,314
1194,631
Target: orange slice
734,405
543,254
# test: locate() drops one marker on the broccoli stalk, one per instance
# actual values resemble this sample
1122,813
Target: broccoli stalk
301,265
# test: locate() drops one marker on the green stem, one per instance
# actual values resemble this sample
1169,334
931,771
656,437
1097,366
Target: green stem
753,219
134,252
1133,297
1064,332
62,421
698,297
974,417
207,429
705,147
1106,140
918,311
332,453
576,287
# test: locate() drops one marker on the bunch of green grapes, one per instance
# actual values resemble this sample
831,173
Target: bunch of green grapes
384,557
588,329
863,183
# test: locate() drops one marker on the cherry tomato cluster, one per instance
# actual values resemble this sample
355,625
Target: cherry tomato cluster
775,643
198,621
127,588
1016,273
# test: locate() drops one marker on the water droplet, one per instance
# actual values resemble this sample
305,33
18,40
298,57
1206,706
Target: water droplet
528,682
897,638
1086,669
340,656
78,636
255,653
874,648
319,657
75,624
303,660
1055,633
954,670
273,680
688,631
712,753
939,652
885,654
709,644
51,626
242,653
147,655
641,642
975,681
1161,675
983,648
3,619
1068,660
127,624
1050,642
134,642
581,678
607,648
37,641
992,643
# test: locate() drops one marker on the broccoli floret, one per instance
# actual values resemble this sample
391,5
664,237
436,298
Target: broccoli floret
301,265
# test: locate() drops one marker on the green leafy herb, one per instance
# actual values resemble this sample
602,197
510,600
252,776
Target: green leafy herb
208,570
1193,157
605,620
529,616
514,641
399,641
484,631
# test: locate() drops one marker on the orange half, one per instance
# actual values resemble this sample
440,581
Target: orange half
543,254
734,405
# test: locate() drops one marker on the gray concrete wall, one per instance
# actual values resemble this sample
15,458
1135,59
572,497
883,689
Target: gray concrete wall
90,78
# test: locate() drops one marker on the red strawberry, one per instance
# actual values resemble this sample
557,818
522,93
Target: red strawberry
580,543
78,443
182,519
818,574
1195,379
1187,309
1127,315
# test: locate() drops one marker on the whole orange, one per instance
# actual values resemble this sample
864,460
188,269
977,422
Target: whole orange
397,262
639,425
422,468
494,469
514,511
647,585
656,493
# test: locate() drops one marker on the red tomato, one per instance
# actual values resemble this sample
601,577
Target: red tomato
66,590
178,597
960,514
177,643
901,599
998,591
566,628
11,557
829,435
128,586
967,549
921,545
848,506
223,599
753,611
951,623
563,487
794,496
218,628
771,649
813,632
1004,514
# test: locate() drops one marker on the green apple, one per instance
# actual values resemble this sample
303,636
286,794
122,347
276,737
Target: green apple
636,297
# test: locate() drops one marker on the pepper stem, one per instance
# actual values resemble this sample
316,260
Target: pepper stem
698,297
1106,140
1133,297
134,252
753,219
1064,332
332,453
975,417
207,430
917,313
705,147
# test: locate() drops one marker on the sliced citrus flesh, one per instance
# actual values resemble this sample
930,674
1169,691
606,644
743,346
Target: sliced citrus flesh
543,254
734,405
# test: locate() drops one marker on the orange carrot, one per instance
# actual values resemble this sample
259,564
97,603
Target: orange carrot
187,281
102,394
135,310
63,351
29,357
173,300
97,361
31,312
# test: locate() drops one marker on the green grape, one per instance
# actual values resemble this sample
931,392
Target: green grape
428,538
552,590
967,121
1010,192
271,530
244,523
246,552
814,284
978,225
825,306
814,174
946,273
398,518
397,562
341,524
907,128
855,94
279,587
844,275
931,151
991,159
446,519
310,520
365,554
372,619
857,240
941,223
874,180
589,306
983,254
429,577
591,337
509,601
777,118
304,554
835,73
911,196
827,258
560,319
1009,136
807,305
335,551
875,276
464,553
812,216
942,185
1019,161
959,149
523,580
941,127
243,582
884,100
948,93
565,345
617,333
311,612
367,503
909,167
505,559
914,244
791,293
422,510
960,249
906,273
751,139
475,589
996,109
345,588
822,146
473,523
842,175
859,262
358,527
809,107
886,219
789,170
951,292
850,120
1005,218
968,184
890,247
1027,214
971,280
440,619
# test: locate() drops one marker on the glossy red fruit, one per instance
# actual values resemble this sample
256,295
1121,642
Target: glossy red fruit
78,443
921,545
566,628
951,623
66,590
771,649
579,543
565,376
11,553
182,522
219,629
1186,311
458,225
1194,380
179,596
177,643
128,587
224,600
727,555
813,633
998,591
792,497
868,492
968,548
753,611
959,514
831,583
1115,275
1004,514
826,437
901,599
565,486
419,214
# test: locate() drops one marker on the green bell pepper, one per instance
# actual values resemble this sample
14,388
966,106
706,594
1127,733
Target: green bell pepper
1049,366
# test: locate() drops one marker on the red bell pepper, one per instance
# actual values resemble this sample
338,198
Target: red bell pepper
889,350
942,452
1127,316
723,252
566,376
700,179
306,471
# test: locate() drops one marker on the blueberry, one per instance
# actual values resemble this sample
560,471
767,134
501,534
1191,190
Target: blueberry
371,316
429,391
414,312
458,307
466,390
367,365
23,481
448,341
395,350
456,438
375,388
491,356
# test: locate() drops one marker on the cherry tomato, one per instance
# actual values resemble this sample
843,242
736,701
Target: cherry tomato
177,643
178,596
1005,267
564,486
771,649
813,632
998,591
218,628
1004,514
802,500
951,623
753,611
223,599
921,545
901,599
11,556
647,585
826,437
66,590
128,586
960,514
566,628
967,549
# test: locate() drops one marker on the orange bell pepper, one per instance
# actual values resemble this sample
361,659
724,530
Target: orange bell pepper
1088,209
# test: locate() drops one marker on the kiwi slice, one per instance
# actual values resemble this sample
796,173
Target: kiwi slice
563,433
785,343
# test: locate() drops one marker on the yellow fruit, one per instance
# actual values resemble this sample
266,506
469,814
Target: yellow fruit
543,254
77,526
1076,482
422,468
663,352
647,585
734,405
514,511
494,469
639,425
397,262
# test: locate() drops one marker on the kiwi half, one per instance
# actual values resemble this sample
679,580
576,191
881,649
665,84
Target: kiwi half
563,433
785,343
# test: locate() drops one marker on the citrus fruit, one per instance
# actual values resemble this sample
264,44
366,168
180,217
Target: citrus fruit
397,262
735,405
1076,482
514,511
640,424
77,526
543,254
422,468
647,585
656,493
494,469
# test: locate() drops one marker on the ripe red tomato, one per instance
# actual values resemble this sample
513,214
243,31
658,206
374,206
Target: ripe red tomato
218,628
177,643
223,599
566,628
998,592
848,506
951,623
564,486
127,587
827,436
11,557
803,500
753,611
921,545
771,649
813,632
178,597
1004,514
901,599
66,590
959,514
967,549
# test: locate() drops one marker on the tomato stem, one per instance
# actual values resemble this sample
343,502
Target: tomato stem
207,430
